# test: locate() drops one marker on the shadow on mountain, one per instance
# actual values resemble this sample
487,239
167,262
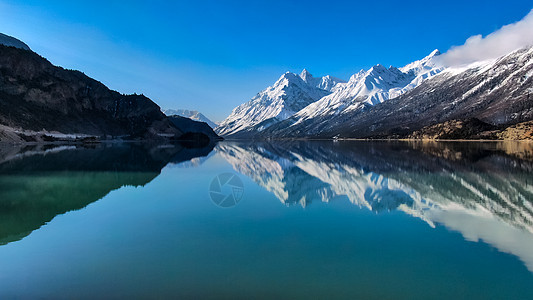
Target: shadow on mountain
37,183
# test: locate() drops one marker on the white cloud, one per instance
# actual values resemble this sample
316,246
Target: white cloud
502,41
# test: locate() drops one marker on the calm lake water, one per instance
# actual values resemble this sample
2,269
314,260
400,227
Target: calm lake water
284,220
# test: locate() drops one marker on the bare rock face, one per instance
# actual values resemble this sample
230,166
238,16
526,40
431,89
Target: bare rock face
38,96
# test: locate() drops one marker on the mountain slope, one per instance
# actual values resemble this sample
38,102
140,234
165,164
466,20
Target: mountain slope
194,129
365,88
495,92
288,95
371,87
37,97
10,41
191,114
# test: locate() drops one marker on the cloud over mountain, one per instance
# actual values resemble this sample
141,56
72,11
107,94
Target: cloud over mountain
502,41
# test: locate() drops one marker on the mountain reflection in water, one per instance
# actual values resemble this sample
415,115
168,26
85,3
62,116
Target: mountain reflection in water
39,182
357,219
482,190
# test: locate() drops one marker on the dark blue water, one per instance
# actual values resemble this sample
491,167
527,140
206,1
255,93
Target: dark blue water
324,220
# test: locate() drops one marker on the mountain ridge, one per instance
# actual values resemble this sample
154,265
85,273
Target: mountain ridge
289,94
10,41
365,88
396,102
41,102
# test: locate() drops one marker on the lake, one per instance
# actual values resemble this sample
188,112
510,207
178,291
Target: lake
283,220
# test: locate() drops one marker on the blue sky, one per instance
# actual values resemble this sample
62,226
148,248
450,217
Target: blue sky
214,55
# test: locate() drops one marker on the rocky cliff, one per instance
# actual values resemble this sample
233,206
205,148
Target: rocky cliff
40,101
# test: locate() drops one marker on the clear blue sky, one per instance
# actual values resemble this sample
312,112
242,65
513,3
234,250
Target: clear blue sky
213,55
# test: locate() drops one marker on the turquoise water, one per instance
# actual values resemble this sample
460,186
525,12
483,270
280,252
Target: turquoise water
321,220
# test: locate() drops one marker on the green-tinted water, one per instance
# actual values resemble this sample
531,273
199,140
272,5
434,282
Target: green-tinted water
320,220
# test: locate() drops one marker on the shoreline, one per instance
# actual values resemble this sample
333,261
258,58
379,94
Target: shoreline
159,141
371,140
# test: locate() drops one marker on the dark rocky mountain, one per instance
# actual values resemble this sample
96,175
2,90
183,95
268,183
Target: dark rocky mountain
10,41
193,128
40,102
38,97
498,93
191,114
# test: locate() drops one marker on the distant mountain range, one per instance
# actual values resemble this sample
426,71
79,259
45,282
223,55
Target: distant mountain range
491,99
40,102
395,102
191,114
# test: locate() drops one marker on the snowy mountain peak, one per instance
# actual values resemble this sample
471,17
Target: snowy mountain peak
370,87
327,82
289,94
435,52
357,76
304,97
191,114
378,69
305,75
425,64
290,76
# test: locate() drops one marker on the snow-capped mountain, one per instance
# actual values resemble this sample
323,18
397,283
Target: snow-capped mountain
290,93
327,82
426,65
10,41
364,88
371,87
495,91
191,114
